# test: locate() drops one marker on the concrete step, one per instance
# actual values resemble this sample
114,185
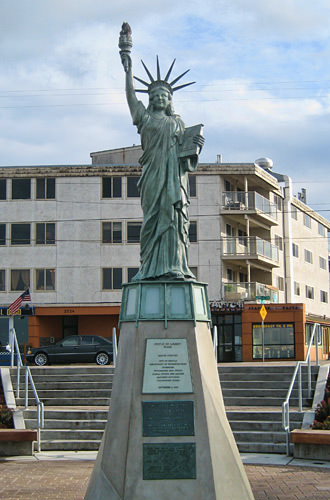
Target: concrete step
259,437
68,424
257,447
71,434
70,414
62,386
70,370
258,425
262,415
257,384
69,445
243,400
70,402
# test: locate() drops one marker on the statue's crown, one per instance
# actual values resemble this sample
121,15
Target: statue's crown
159,82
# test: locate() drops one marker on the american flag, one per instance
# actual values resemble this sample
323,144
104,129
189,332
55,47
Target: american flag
25,297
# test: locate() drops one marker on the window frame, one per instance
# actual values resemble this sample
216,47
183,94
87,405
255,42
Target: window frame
295,250
195,224
36,278
308,256
130,177
309,290
111,279
3,273
46,188
26,284
131,223
3,188
20,242
192,185
112,232
111,179
45,238
3,239
307,221
15,182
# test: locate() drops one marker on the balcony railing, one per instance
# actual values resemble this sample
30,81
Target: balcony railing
250,247
251,200
251,291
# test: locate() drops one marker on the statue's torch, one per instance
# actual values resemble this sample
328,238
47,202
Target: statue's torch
125,44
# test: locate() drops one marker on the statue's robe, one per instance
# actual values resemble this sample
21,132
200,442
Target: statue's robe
164,189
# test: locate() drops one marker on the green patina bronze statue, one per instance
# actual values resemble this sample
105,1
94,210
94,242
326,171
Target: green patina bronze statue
170,151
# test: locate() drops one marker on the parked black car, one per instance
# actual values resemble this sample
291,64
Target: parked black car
74,349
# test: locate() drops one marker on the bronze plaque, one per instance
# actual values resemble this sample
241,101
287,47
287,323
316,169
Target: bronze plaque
169,461
168,418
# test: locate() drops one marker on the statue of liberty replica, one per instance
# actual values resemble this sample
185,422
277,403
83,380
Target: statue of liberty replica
168,155
167,435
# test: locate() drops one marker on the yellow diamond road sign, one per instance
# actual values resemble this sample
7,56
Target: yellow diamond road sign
263,312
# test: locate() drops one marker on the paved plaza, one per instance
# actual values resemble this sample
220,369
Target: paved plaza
66,478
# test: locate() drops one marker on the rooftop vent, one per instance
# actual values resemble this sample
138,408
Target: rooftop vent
265,163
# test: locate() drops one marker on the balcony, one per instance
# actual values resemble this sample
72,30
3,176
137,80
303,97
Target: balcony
251,291
252,248
251,202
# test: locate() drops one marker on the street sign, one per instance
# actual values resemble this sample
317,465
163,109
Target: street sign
262,297
263,312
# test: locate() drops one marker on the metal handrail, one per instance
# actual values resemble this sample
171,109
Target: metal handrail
28,378
297,371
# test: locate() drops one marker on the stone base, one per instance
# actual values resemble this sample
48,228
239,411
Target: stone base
131,463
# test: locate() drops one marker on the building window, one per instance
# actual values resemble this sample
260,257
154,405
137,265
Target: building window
20,280
296,288
194,270
111,232
307,220
45,279
295,250
133,232
308,256
132,189
280,283
323,263
21,189
321,229
294,212
46,188
324,296
111,187
2,234
131,272
3,189
278,202
20,234
45,233
242,237
193,231
192,186
243,277
278,340
309,327
309,292
2,280
279,242
231,275
112,278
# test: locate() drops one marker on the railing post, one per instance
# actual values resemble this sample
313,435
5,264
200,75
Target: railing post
317,344
26,387
215,343
300,389
17,376
114,347
11,340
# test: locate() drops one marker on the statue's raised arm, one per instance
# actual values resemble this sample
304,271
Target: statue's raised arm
164,185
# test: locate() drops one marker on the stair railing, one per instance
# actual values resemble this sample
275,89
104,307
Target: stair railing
297,372
14,347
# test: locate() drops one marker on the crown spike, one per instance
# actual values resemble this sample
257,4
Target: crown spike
148,72
158,69
169,71
181,86
141,81
179,77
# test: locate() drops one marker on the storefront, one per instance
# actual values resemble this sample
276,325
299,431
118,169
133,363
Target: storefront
51,324
283,335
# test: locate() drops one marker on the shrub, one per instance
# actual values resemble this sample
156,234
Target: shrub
6,417
322,412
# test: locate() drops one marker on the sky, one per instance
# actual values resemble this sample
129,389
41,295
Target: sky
261,67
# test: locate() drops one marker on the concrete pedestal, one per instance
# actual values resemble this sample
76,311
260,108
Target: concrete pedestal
167,437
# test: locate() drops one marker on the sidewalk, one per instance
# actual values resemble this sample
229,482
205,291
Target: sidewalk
53,476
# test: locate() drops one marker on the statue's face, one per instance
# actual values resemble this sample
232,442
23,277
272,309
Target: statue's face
160,98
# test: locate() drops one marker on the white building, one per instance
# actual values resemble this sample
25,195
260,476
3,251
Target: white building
71,233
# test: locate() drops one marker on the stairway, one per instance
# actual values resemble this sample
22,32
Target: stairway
76,400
